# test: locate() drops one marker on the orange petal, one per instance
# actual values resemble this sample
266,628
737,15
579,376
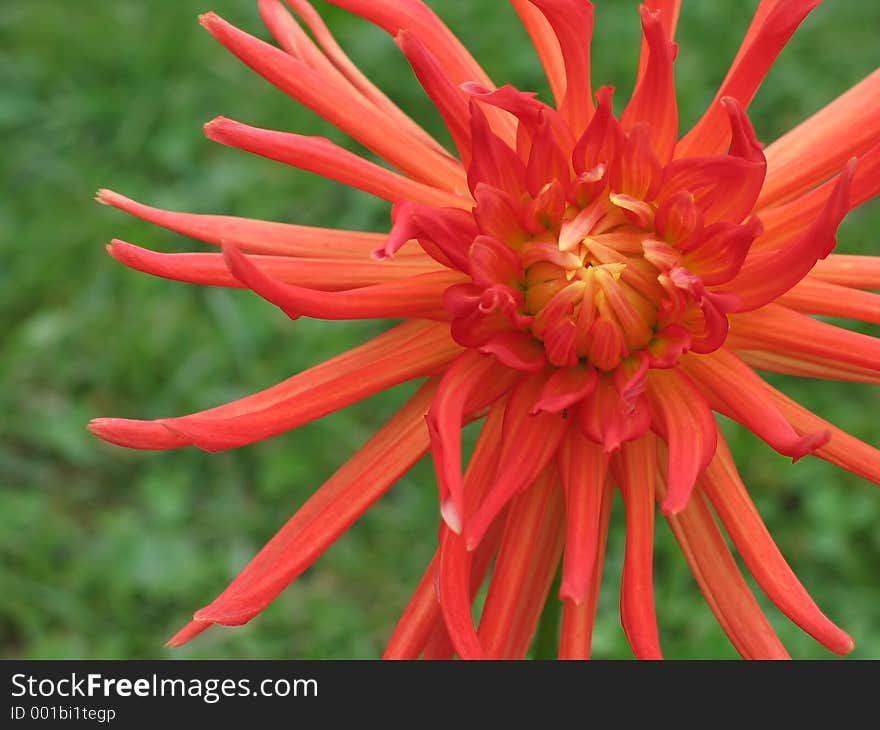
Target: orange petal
733,389
253,236
323,96
861,272
582,467
653,100
778,328
635,467
408,351
524,569
209,269
721,582
333,61
322,157
681,416
389,454
418,298
817,148
722,485
845,450
773,25
815,296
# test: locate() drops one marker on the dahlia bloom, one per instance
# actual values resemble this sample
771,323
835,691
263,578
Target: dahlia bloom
591,288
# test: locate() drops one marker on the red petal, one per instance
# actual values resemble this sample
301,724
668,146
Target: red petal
529,443
572,23
494,162
769,274
566,387
635,468
582,467
524,569
576,635
610,419
680,414
447,97
653,100
418,298
471,382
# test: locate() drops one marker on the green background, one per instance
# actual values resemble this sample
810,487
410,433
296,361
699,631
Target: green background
104,552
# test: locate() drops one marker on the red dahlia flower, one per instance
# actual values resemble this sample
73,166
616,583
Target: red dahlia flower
591,288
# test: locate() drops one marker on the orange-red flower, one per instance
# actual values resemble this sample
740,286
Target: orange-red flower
591,288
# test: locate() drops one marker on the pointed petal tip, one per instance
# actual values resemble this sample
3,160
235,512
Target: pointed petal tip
187,633
136,434
670,508
573,594
451,515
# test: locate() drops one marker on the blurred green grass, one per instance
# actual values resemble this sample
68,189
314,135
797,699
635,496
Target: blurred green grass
104,553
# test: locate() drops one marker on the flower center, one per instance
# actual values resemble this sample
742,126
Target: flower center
594,295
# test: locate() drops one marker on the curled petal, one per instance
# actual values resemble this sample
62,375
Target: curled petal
472,382
567,386
418,298
529,443
572,24
733,389
609,419
769,274
209,269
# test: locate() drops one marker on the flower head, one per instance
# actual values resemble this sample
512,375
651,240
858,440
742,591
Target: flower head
592,288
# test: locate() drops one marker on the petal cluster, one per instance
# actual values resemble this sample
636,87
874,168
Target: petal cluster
592,289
